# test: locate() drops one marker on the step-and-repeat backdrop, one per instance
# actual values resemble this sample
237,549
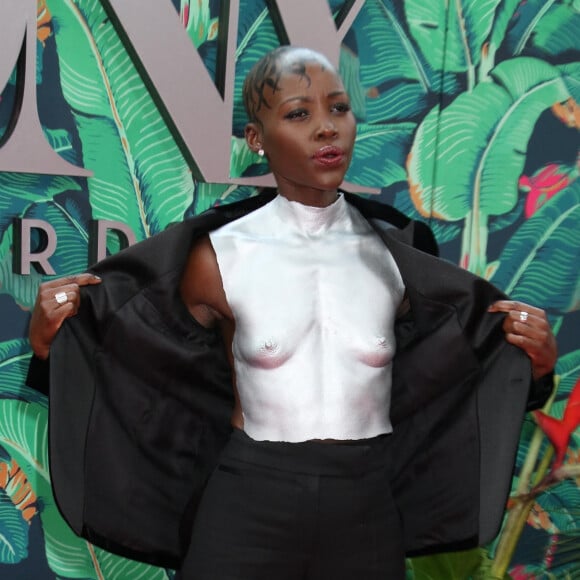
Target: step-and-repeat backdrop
119,117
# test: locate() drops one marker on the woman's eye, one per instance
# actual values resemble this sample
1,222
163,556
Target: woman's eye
341,107
296,114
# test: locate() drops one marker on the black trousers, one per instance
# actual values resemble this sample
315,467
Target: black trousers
298,511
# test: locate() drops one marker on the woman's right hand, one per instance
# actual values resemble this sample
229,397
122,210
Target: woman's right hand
56,300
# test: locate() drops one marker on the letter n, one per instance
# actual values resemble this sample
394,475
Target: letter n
23,148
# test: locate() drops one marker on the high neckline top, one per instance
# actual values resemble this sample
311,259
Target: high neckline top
311,220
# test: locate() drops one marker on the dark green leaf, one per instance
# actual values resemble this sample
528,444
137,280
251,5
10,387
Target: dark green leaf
379,155
14,359
13,531
540,262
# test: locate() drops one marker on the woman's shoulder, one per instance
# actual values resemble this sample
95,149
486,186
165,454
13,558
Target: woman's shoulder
417,233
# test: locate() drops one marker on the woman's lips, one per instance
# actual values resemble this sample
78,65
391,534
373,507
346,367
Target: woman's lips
329,156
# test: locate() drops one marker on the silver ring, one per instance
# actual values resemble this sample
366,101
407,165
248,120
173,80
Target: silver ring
523,316
61,298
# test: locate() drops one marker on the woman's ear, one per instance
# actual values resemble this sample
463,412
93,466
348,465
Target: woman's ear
253,137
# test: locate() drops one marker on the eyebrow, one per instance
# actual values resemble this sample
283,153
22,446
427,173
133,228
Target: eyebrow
308,99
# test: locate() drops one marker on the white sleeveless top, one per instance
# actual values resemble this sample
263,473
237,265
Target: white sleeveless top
314,292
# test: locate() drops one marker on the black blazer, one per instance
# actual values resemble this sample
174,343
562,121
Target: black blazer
141,397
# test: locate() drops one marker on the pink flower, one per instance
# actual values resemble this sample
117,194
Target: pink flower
519,573
544,184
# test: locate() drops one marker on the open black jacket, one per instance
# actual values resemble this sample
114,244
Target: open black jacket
141,397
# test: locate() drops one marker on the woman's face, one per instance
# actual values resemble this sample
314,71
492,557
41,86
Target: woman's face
307,132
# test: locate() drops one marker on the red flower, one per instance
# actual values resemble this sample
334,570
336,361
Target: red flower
544,184
559,431
185,16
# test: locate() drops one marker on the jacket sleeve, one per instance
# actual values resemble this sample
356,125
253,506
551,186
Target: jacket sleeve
37,377
540,391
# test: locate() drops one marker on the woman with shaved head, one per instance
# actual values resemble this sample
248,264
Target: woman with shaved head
318,400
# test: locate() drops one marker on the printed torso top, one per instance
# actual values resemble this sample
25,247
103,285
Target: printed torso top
314,292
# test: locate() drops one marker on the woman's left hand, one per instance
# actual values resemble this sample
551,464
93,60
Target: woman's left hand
527,327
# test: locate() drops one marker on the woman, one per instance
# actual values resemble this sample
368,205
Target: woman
320,475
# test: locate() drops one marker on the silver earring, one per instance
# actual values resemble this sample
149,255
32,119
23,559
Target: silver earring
261,152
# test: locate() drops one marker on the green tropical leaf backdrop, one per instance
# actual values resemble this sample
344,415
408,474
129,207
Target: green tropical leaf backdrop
468,118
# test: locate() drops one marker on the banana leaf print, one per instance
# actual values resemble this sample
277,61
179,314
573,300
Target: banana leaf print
26,195
256,37
197,20
448,96
25,491
505,13
451,35
13,528
480,131
14,359
444,231
546,500
379,153
140,178
23,435
540,263
393,74
545,184
18,505
571,76
22,289
546,28
43,18
67,215
21,191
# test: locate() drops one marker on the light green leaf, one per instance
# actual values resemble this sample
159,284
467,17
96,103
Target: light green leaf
379,154
477,145
558,31
141,177
504,14
206,195
349,68
256,37
451,34
568,369
19,191
548,26
385,50
571,75
443,231
243,158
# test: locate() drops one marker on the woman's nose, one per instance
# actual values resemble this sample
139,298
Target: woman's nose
327,129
